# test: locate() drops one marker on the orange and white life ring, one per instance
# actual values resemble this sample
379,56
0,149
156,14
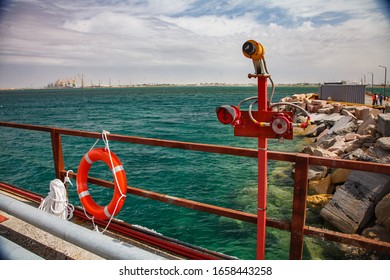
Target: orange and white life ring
120,184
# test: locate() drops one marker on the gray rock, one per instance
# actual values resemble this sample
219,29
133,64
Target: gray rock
346,212
338,146
384,143
373,186
317,172
324,118
353,204
347,112
367,139
322,137
384,124
382,155
308,150
351,136
360,155
319,152
343,126
377,232
352,145
361,112
370,120
387,108
382,212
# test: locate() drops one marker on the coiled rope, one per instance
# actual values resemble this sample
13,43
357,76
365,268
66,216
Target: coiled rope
56,202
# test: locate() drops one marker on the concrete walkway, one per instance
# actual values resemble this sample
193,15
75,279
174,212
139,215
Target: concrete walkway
38,241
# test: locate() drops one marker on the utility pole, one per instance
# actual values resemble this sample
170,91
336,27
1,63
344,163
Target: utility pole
384,86
372,82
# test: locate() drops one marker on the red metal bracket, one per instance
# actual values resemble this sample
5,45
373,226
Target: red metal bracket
247,128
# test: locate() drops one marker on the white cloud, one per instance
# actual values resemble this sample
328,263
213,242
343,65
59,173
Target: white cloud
304,40
215,26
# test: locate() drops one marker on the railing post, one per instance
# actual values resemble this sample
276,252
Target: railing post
57,152
299,206
262,174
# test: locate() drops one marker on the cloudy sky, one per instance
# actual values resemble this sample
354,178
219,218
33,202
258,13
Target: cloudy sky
191,41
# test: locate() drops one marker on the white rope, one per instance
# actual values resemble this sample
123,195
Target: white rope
56,201
105,140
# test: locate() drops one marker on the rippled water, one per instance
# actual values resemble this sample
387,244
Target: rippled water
174,113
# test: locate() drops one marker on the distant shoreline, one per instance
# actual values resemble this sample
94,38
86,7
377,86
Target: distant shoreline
164,85
176,85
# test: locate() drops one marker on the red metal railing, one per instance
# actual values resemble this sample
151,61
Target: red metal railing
296,226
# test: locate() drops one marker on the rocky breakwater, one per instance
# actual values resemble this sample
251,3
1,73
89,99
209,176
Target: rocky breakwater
352,201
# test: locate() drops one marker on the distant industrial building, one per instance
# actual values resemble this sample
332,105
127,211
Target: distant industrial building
343,92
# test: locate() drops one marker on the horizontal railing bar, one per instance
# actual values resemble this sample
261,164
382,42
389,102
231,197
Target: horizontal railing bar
350,164
348,239
167,143
26,126
208,208
334,162
221,211
272,155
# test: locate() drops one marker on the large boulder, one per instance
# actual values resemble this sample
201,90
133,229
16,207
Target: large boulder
319,152
362,112
317,172
377,232
384,143
382,212
384,124
324,135
351,136
353,204
373,186
340,175
366,126
382,155
324,118
347,212
338,146
387,108
344,125
322,186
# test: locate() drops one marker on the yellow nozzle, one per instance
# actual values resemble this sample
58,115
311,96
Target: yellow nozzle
252,49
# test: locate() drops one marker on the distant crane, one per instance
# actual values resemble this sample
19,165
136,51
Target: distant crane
82,80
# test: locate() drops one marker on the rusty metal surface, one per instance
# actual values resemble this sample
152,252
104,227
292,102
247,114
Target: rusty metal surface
348,239
299,207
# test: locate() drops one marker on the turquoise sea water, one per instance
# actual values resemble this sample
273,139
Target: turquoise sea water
174,113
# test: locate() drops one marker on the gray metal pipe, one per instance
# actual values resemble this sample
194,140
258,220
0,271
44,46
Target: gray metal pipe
92,241
12,251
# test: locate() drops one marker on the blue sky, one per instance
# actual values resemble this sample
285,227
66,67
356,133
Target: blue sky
191,41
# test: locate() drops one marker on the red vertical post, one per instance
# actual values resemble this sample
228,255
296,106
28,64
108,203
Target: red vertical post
262,172
57,152
299,206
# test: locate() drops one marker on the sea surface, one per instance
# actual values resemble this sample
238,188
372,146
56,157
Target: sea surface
173,113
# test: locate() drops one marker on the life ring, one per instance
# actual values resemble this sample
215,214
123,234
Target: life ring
120,184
